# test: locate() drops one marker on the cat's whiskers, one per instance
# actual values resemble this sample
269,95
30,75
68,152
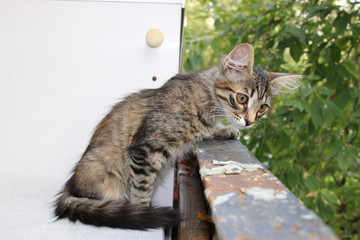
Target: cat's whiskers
211,112
263,132
212,116
258,127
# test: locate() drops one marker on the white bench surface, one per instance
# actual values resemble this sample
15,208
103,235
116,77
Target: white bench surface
32,219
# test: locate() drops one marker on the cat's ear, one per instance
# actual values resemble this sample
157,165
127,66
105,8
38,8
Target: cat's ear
283,82
238,64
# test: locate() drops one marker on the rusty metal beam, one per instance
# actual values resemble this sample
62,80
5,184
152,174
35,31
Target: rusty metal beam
248,201
191,201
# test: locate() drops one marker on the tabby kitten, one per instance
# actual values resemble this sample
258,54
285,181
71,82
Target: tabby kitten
113,183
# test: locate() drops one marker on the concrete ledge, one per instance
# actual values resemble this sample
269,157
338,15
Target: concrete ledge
248,202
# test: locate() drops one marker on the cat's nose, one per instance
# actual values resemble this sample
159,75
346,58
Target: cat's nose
248,123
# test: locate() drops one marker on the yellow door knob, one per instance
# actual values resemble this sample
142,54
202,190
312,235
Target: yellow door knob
154,38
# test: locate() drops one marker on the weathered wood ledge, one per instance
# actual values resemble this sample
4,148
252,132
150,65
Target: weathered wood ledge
248,202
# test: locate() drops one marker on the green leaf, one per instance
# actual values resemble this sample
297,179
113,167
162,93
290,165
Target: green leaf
325,210
298,118
217,24
334,149
284,138
343,159
335,53
293,176
351,67
296,50
342,100
314,109
323,90
322,10
356,30
341,22
329,111
357,113
269,5
277,62
297,32
196,59
311,182
304,152
342,71
330,196
306,90
327,55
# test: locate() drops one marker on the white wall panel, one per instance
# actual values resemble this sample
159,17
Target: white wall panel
63,64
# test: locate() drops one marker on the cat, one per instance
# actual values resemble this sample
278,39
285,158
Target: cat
113,183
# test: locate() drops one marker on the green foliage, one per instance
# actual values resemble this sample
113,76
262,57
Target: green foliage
311,139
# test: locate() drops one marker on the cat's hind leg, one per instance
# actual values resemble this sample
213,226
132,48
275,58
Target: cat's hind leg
144,168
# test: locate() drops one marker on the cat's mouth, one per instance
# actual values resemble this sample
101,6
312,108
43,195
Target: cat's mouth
239,122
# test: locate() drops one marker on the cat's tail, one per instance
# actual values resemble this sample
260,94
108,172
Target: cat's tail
114,214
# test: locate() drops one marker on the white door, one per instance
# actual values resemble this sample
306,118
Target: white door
63,64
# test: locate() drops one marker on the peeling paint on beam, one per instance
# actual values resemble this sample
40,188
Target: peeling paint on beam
228,167
248,201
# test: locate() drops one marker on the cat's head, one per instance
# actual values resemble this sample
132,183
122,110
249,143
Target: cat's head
245,90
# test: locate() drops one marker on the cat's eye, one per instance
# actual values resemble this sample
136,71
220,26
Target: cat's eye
263,108
241,98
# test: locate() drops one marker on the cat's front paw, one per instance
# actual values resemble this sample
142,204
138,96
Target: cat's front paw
228,132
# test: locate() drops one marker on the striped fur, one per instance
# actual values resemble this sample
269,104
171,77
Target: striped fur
113,183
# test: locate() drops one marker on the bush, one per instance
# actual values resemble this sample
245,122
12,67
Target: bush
310,140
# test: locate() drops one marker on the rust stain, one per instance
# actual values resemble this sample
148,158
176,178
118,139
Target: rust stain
277,225
246,238
242,198
243,180
204,217
220,218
